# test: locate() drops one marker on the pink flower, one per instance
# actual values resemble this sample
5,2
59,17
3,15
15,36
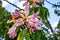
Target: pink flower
34,23
31,21
12,32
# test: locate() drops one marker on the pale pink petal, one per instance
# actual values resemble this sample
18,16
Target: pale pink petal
31,24
9,21
35,15
28,24
37,27
38,22
26,9
17,13
33,30
40,0
34,5
12,32
19,23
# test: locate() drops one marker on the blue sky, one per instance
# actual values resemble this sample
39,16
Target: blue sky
53,17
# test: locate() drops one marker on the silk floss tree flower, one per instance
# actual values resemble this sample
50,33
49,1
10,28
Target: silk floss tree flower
12,31
31,21
33,2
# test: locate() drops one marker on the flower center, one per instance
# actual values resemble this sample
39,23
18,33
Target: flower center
32,1
25,19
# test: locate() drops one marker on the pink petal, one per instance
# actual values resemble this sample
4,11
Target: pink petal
34,5
35,16
12,32
18,23
37,27
40,0
38,22
33,30
28,25
9,21
17,13
26,9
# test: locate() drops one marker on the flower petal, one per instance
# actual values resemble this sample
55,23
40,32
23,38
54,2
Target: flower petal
17,13
40,0
34,5
19,23
26,9
12,32
37,27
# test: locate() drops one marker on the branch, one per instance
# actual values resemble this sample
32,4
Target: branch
50,26
14,5
53,4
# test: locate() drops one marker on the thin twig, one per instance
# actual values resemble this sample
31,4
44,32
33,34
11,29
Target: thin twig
14,5
52,4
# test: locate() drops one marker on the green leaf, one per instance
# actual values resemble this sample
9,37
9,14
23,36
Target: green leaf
36,9
27,36
31,11
43,13
4,16
38,35
47,24
22,35
58,24
0,3
6,37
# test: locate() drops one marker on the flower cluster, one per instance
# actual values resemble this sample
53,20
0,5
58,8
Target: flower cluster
20,18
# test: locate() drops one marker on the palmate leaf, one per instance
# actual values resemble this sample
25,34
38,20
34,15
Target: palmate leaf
36,9
43,13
